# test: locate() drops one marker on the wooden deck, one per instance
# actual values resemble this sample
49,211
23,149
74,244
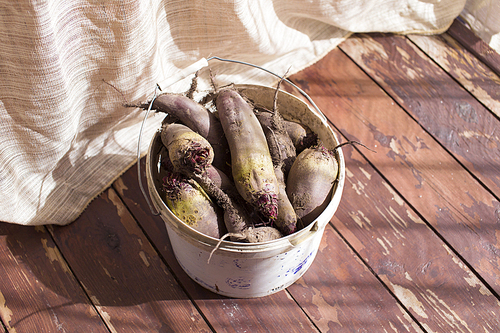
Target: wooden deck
413,247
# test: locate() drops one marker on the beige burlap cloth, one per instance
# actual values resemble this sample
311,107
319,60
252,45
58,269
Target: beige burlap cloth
68,66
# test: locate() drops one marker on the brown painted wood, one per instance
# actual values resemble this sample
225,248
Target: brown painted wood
474,75
122,273
340,294
430,95
440,291
438,187
475,45
225,314
38,291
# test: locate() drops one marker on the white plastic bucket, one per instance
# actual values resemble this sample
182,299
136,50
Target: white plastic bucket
245,270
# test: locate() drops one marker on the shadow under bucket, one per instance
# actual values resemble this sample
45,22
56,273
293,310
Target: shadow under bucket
245,270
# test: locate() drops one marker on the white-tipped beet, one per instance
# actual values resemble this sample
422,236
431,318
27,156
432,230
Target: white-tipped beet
191,204
199,119
251,163
188,150
310,182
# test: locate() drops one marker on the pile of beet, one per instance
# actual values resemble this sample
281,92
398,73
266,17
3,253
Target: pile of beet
233,168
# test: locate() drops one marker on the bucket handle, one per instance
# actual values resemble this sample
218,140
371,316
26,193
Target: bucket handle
151,207
191,69
302,92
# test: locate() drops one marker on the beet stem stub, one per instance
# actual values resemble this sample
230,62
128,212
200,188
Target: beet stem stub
197,157
268,204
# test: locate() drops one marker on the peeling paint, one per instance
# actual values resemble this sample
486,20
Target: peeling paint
387,241
394,194
448,314
123,213
398,218
360,219
358,187
57,322
107,273
397,233
105,316
144,258
120,185
467,70
386,251
476,134
408,298
6,314
370,44
405,55
348,173
414,218
327,312
471,279
54,255
392,145
40,228
408,319
367,175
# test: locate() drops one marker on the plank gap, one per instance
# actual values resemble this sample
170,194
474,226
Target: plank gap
394,99
386,287
303,310
50,230
438,234
475,45
453,77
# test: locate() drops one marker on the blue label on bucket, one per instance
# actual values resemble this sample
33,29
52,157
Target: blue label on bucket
238,283
297,268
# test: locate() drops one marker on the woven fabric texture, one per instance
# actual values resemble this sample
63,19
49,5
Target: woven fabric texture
67,67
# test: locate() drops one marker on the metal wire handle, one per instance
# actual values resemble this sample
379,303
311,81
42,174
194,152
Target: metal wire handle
185,73
151,207
302,92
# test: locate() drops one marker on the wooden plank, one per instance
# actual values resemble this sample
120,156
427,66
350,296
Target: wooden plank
440,291
444,193
122,273
38,291
340,294
475,45
463,66
225,314
436,101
